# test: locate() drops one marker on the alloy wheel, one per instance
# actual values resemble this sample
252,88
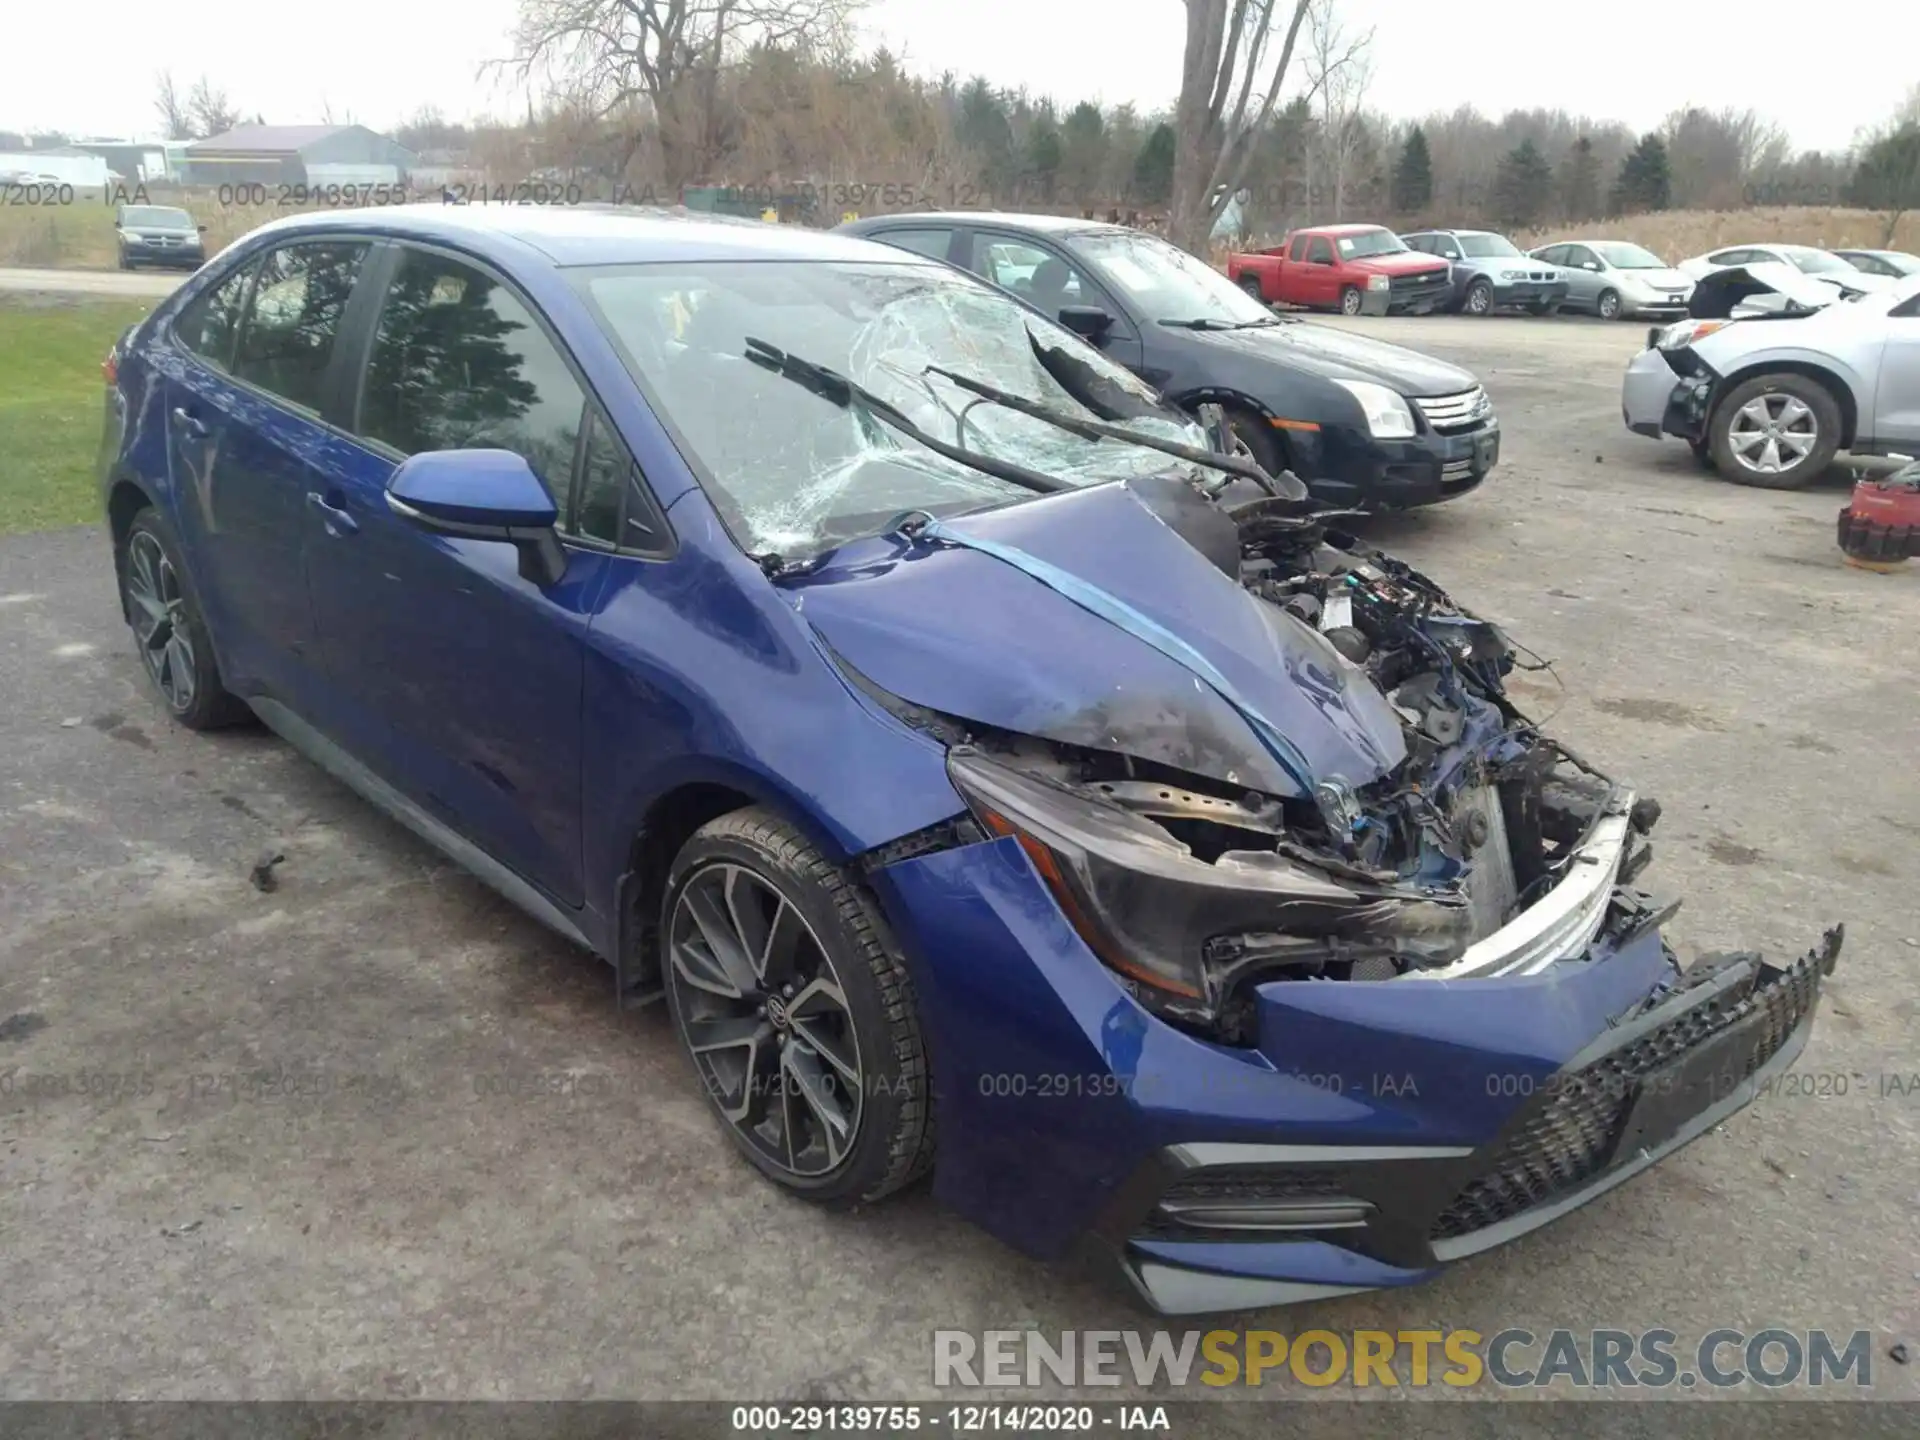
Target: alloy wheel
1479,300
765,1018
1350,303
158,609
1771,434
1609,305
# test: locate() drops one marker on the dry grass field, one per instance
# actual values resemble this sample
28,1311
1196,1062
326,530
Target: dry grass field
1677,234
80,234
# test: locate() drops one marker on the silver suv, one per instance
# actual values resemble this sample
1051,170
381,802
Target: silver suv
1489,270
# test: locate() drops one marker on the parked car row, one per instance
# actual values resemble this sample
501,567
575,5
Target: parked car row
996,772
1368,269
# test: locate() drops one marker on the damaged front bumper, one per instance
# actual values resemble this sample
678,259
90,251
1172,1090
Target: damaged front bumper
1660,398
1374,1132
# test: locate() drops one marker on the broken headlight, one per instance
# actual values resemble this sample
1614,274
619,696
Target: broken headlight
1153,911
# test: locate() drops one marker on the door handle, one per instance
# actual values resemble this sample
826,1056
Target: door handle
335,517
191,423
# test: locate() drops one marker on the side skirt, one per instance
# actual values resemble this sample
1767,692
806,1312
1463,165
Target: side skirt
456,847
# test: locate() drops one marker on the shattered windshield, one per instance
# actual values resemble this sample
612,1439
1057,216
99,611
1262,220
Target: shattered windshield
792,472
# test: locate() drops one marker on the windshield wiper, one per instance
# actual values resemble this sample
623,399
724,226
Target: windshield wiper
1208,322
836,388
1100,429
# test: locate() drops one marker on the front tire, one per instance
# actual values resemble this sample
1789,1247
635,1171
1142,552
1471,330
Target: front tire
1257,435
1479,301
1776,432
1608,305
1350,300
791,1001
169,629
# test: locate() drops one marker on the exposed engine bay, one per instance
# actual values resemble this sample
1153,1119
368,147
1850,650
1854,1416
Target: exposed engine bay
1196,892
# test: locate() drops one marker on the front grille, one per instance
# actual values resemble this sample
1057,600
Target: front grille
1570,1138
1415,284
1464,411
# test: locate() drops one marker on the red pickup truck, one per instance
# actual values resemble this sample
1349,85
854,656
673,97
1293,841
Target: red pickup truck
1355,269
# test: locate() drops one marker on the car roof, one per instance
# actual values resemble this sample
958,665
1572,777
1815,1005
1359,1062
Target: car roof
1040,224
594,234
1349,228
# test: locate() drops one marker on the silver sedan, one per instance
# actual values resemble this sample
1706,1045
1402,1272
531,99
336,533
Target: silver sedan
1616,279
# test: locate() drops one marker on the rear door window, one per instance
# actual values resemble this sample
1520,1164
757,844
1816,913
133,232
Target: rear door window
210,322
928,241
1299,250
1320,252
293,319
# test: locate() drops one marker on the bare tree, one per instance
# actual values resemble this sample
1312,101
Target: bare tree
1339,68
1230,77
174,120
660,60
211,111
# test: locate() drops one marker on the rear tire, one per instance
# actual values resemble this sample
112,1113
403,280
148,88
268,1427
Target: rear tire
1775,432
815,1064
1607,307
1544,307
170,630
1251,284
1351,300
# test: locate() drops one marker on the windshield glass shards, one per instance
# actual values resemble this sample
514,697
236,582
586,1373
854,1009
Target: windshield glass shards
795,472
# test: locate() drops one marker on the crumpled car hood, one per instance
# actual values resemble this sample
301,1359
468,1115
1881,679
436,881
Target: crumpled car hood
1343,355
1718,294
968,634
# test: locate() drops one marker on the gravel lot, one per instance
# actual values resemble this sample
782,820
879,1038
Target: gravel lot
411,1216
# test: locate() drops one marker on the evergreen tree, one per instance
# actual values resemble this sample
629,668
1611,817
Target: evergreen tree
1523,185
1083,152
1153,167
1645,181
1044,151
1580,181
1413,175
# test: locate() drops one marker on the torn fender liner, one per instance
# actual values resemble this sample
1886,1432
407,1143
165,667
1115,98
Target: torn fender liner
1021,656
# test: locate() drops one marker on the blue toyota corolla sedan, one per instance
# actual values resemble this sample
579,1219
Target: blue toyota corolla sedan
998,772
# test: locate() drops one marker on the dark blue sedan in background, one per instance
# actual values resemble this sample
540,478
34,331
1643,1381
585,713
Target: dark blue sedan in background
997,770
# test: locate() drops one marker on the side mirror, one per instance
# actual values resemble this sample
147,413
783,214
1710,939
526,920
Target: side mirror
1089,322
482,495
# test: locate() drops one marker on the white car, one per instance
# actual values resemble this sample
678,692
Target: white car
1804,258
1775,371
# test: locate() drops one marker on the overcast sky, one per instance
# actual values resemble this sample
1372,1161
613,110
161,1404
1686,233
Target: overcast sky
90,68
